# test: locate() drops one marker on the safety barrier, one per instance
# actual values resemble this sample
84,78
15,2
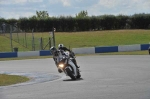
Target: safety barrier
86,50
24,54
105,49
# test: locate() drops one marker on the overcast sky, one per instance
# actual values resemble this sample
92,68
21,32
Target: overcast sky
26,8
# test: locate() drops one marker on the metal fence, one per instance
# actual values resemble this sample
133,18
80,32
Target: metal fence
25,41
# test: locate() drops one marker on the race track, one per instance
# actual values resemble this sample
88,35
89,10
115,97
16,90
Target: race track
103,77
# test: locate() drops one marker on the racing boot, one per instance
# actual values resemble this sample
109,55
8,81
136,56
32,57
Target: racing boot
59,70
74,61
77,66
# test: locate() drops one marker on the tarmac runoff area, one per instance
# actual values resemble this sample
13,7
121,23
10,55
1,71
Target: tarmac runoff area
102,77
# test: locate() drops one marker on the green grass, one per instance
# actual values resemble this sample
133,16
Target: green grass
84,39
5,45
11,79
104,38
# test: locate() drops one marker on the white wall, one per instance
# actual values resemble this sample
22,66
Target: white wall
125,48
28,53
85,50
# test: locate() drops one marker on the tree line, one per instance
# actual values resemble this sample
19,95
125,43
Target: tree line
41,22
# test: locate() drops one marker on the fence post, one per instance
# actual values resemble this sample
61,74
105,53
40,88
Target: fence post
18,35
33,45
11,38
41,43
49,42
25,39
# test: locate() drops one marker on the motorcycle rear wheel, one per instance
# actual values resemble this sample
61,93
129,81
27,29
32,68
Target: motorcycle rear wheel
79,75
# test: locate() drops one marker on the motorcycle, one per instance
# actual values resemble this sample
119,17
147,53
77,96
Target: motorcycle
67,66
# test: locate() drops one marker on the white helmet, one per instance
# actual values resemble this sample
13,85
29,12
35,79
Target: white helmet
60,45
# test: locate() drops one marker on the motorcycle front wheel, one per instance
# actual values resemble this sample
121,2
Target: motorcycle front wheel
69,72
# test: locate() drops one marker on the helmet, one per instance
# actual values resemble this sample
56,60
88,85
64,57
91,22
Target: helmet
60,45
53,50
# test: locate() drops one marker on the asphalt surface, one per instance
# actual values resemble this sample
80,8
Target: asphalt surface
103,77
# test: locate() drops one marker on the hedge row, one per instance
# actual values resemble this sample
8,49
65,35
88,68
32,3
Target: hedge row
66,24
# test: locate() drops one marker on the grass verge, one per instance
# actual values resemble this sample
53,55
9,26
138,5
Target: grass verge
11,79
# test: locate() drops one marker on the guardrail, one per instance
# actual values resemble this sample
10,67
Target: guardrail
105,49
24,54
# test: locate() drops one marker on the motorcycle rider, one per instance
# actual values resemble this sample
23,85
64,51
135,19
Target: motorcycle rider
55,53
62,47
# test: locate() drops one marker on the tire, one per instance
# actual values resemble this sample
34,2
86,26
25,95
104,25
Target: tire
79,75
69,72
